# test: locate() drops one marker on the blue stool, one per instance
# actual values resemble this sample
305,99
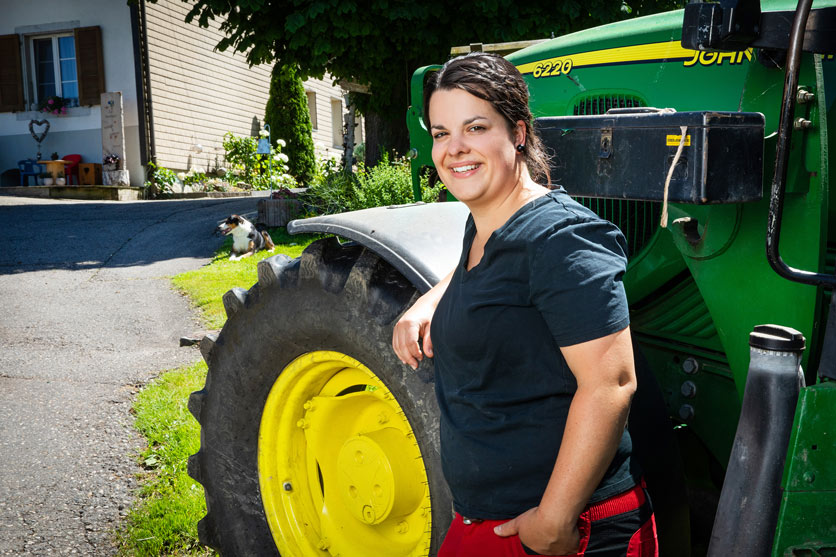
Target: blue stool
29,167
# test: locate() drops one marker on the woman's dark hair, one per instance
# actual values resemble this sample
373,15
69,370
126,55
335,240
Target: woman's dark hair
494,79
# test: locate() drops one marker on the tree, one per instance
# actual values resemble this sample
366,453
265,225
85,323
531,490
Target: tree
287,114
382,42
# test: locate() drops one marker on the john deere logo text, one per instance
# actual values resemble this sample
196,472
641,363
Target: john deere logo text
718,58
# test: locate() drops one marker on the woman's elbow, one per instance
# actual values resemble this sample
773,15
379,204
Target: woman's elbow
627,384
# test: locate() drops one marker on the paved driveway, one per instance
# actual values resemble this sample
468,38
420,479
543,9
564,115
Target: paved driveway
87,316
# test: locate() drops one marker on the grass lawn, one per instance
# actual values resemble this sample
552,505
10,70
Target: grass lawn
164,519
206,286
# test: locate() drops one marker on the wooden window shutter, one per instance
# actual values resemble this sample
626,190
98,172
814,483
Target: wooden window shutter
88,57
11,77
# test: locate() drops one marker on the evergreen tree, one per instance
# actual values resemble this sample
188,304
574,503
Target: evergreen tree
287,114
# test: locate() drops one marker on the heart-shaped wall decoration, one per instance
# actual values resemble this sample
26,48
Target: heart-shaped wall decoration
39,137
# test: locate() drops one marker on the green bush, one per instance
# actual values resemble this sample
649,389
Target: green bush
160,181
288,116
195,180
259,171
387,183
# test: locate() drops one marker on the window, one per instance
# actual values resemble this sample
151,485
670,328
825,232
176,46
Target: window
40,63
54,68
312,108
337,122
358,129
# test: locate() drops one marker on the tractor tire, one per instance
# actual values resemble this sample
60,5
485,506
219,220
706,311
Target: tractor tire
315,439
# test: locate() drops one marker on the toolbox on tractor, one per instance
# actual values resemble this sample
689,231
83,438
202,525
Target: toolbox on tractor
627,153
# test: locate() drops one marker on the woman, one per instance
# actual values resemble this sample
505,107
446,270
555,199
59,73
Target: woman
530,340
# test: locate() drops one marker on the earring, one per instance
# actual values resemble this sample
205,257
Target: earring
520,148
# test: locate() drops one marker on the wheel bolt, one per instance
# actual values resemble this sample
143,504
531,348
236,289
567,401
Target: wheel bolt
309,406
323,544
403,527
287,486
382,418
302,424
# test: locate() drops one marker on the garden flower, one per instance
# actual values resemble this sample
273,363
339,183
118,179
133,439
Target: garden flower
181,175
50,101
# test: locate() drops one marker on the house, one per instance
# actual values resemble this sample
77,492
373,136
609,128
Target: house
179,95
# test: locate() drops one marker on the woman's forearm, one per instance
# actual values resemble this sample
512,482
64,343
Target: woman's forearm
596,421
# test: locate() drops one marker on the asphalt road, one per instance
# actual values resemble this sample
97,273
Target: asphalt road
88,316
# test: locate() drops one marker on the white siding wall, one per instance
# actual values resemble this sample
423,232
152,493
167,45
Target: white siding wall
199,94
327,128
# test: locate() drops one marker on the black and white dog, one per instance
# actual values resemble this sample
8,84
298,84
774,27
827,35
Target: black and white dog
246,240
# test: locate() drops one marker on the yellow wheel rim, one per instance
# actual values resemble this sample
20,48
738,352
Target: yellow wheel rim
339,468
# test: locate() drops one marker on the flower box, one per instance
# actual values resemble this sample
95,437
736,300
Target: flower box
278,212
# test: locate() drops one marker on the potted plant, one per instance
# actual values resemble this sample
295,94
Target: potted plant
60,180
110,162
54,156
54,104
46,178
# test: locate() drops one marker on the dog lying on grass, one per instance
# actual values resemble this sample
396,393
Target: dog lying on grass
246,239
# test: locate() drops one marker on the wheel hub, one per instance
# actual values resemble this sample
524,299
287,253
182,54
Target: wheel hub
334,433
372,485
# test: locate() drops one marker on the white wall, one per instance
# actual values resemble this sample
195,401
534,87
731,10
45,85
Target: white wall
199,93
323,135
79,131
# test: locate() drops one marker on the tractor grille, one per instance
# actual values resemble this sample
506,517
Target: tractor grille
599,104
678,312
638,220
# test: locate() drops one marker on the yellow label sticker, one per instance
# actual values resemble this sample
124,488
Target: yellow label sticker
673,140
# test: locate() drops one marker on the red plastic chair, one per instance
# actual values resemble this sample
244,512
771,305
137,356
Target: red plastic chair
71,169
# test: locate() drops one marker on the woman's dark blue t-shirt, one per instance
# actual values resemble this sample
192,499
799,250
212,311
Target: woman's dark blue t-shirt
549,277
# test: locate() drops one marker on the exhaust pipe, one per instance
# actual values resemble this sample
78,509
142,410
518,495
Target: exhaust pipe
751,496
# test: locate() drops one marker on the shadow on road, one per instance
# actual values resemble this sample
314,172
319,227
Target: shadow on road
78,236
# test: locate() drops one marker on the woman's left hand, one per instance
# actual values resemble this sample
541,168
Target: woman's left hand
541,535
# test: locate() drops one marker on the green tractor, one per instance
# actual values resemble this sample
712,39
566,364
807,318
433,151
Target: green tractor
316,440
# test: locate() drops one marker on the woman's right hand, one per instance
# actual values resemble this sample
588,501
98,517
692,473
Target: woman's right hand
412,326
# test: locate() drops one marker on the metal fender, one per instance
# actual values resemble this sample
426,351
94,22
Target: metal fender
421,240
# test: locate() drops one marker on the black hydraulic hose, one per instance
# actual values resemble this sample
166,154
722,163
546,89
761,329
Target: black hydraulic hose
779,180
